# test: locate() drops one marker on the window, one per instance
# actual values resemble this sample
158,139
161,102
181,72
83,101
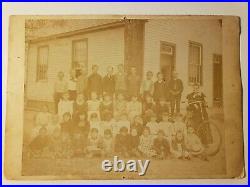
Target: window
79,53
42,63
195,63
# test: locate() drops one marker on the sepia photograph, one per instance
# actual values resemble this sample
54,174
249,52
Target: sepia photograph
140,97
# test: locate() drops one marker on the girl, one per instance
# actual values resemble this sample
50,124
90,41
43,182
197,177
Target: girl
94,122
146,143
65,105
94,144
161,145
138,125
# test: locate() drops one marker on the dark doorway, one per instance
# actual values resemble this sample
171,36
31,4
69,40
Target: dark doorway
167,59
217,80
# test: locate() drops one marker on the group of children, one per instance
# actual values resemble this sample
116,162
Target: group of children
108,126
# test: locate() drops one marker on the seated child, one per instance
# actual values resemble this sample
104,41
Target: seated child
138,125
39,144
109,123
167,126
179,125
193,143
161,107
134,142
65,105
83,125
42,119
146,143
93,105
95,122
161,145
153,125
120,106
134,108
177,146
94,144
56,143
121,142
79,106
66,124
123,122
148,104
66,145
108,143
106,107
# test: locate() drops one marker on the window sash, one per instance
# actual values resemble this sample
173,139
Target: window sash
42,63
195,63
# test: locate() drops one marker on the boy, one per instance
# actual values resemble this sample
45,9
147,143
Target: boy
95,82
121,142
160,88
138,125
120,80
133,82
147,86
108,143
108,82
161,107
134,108
161,145
153,125
134,143
93,105
94,144
179,125
66,124
106,108
166,126
122,122
120,106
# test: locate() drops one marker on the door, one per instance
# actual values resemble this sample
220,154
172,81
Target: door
217,80
167,59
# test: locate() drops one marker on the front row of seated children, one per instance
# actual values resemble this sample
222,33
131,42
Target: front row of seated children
93,138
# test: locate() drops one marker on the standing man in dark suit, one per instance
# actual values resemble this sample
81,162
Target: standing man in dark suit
109,82
175,86
95,82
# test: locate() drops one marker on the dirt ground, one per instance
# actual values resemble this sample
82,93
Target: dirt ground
83,168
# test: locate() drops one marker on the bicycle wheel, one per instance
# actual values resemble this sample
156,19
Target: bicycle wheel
214,147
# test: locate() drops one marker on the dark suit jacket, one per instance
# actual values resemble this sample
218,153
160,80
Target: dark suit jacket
160,90
108,84
95,84
175,86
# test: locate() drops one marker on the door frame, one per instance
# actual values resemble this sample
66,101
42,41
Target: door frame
173,45
214,55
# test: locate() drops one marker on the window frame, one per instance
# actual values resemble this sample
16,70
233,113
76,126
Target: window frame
38,52
190,43
72,51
